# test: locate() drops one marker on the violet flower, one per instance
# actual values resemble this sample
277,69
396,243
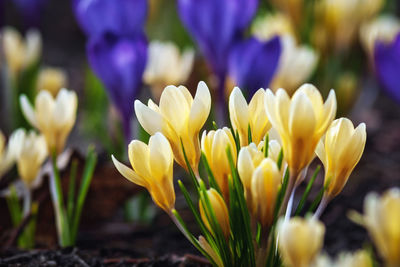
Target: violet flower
387,65
121,17
253,63
119,62
216,25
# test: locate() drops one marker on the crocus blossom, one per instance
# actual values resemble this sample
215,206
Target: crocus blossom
125,17
387,65
252,63
216,25
119,62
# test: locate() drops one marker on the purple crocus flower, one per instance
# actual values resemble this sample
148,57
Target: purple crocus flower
122,17
387,65
216,25
252,63
119,62
30,10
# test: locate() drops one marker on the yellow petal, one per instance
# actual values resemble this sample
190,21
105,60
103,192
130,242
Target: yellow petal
200,109
128,173
161,156
28,111
150,120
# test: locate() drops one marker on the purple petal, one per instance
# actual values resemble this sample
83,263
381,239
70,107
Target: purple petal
119,63
216,25
387,66
125,17
252,63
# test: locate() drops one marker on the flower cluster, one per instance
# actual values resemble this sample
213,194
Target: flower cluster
253,168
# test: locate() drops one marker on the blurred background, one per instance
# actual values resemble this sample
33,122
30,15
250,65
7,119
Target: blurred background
113,52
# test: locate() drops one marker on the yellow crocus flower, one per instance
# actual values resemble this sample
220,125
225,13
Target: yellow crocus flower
20,53
7,154
220,211
360,258
243,115
214,145
152,168
166,65
382,219
178,117
52,80
301,121
300,240
53,117
30,152
249,159
265,184
340,151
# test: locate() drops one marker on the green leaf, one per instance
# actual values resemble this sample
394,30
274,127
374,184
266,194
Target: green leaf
281,194
71,190
240,219
266,146
191,173
87,176
249,137
62,224
192,239
280,159
307,191
14,206
211,178
214,125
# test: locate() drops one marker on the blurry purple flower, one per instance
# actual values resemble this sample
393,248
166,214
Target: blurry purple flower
253,63
30,10
216,25
119,62
121,17
387,65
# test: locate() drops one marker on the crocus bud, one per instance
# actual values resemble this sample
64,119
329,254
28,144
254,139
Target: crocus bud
152,168
387,65
220,212
265,184
180,118
300,121
341,19
30,154
248,159
20,53
272,24
214,145
123,17
296,64
300,240
253,63
340,150
382,218
119,62
53,117
52,80
251,115
7,154
166,65
216,39
383,28
360,258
